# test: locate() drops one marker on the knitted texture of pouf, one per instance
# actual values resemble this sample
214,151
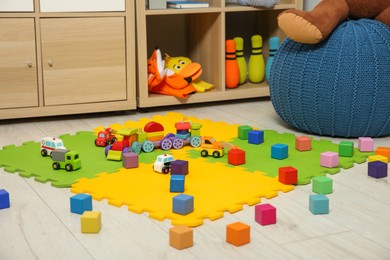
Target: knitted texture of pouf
339,87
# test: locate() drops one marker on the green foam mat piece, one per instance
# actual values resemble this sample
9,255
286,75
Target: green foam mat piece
258,157
28,162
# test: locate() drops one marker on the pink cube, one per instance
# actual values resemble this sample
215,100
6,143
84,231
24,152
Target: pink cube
265,214
130,160
329,159
366,144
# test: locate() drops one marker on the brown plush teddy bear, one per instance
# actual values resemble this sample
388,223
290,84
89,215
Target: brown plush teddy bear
316,25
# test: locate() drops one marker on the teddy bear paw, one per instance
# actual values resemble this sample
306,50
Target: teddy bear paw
299,29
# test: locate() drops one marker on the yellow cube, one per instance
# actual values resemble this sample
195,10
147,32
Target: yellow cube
377,157
91,222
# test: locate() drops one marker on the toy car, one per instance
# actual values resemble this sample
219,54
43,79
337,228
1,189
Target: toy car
105,137
210,147
65,159
49,144
163,163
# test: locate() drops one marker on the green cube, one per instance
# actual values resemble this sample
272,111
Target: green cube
346,149
322,185
243,131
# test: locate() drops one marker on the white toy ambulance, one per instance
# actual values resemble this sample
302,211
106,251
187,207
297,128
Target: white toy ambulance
49,144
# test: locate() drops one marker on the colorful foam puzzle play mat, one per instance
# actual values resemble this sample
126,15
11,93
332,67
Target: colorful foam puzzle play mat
216,185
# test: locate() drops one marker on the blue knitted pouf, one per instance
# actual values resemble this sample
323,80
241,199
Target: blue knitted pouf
339,87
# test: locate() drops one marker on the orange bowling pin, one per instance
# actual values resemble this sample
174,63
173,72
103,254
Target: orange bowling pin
232,72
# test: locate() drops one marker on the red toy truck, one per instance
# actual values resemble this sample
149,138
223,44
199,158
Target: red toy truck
105,137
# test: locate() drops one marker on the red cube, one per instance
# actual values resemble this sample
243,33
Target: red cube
236,156
288,175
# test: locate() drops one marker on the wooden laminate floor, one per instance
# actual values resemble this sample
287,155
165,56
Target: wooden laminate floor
39,224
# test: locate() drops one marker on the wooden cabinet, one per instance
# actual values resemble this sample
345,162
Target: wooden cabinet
83,60
18,64
54,63
200,34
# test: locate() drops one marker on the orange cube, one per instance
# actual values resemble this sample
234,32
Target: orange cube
181,237
303,143
384,151
238,234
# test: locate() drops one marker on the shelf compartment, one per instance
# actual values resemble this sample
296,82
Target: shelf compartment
196,36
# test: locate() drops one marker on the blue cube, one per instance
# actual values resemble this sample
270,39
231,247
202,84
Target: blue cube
183,204
279,151
256,137
177,183
377,169
80,203
4,199
318,204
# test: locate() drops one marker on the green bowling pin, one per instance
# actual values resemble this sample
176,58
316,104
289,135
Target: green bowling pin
256,67
240,58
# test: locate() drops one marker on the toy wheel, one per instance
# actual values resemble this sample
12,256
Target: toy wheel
195,141
165,170
147,146
177,143
56,166
166,144
108,142
136,147
43,152
113,140
69,167
216,154
204,153
108,148
169,135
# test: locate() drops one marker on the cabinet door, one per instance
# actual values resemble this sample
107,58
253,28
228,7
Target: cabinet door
83,59
18,74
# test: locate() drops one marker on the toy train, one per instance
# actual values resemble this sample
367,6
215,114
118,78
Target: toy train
151,137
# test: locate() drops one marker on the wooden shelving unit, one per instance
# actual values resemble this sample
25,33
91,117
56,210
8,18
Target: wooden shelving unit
66,57
200,34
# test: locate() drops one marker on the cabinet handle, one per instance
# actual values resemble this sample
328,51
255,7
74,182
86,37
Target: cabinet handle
29,64
50,63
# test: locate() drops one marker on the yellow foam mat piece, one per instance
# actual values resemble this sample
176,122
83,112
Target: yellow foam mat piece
217,188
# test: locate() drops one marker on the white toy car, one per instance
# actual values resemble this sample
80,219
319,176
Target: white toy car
163,163
49,144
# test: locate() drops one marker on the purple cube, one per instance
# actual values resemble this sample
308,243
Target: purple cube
377,169
130,160
179,167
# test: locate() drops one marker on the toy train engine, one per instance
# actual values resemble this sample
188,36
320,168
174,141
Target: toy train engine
127,141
